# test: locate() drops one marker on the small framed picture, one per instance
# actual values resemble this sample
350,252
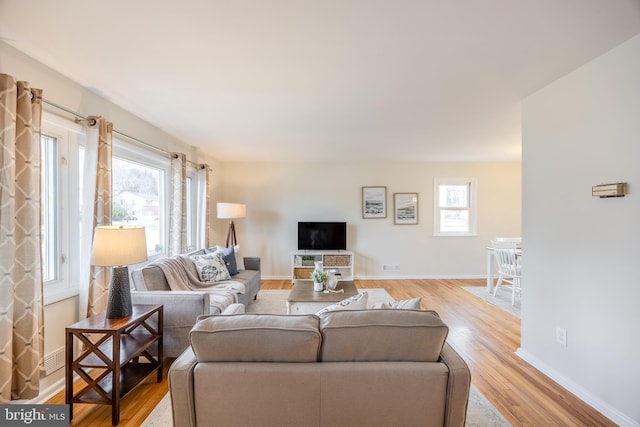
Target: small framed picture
405,208
374,202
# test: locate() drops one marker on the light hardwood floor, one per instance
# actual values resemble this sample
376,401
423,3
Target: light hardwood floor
485,336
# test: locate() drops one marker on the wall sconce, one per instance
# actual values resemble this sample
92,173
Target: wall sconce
618,189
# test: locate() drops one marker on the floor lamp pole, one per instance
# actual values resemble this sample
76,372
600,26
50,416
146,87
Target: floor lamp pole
231,234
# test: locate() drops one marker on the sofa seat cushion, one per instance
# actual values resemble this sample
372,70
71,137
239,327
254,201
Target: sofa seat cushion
382,335
256,338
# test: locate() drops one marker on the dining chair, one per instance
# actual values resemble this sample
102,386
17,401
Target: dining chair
509,267
517,240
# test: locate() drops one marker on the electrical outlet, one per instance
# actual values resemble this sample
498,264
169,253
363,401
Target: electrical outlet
561,336
390,267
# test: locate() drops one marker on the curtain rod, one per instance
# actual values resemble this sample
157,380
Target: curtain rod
139,141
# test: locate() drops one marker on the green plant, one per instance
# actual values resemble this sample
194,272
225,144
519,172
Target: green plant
308,258
318,276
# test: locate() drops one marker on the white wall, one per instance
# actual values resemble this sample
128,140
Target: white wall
582,256
281,194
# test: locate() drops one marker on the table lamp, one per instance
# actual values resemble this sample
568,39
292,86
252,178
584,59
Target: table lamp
118,247
231,211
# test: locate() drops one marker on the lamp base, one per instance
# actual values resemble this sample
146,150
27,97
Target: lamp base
119,304
231,234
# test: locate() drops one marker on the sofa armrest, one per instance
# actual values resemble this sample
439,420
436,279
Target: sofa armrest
252,263
181,307
457,388
181,389
232,309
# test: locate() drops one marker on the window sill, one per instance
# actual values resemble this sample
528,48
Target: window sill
58,295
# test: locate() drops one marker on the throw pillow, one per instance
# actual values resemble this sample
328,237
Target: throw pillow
356,302
211,267
239,259
406,304
229,257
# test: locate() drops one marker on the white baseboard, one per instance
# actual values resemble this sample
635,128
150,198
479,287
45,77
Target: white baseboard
592,400
396,277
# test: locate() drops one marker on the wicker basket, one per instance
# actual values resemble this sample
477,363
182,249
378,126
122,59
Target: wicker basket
302,272
337,260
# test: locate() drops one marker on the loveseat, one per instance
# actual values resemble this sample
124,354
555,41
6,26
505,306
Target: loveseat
344,368
182,308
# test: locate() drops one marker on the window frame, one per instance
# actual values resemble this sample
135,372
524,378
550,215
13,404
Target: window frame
146,157
69,137
472,209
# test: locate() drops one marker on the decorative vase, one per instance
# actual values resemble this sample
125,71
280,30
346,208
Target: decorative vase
318,286
332,281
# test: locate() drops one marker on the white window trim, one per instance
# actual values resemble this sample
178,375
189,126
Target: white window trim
473,206
69,135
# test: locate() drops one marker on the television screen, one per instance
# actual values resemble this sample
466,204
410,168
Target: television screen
322,235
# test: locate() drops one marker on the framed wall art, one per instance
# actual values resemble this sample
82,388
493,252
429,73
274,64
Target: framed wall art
374,202
405,208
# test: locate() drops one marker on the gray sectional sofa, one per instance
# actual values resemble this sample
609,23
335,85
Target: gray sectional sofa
345,368
182,308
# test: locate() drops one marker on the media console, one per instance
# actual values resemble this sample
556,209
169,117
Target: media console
337,262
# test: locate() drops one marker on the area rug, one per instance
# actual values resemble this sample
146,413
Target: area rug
501,300
480,412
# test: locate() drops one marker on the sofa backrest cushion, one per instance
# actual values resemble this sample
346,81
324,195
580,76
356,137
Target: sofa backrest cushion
382,335
152,278
256,338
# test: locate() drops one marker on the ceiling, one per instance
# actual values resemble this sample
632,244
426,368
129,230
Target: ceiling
284,80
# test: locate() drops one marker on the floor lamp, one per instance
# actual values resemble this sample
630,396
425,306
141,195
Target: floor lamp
119,247
231,211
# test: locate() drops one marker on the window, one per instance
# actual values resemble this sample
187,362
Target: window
139,193
60,207
455,207
50,198
140,197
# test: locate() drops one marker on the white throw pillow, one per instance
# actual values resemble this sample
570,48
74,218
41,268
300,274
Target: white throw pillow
356,302
211,267
239,259
405,304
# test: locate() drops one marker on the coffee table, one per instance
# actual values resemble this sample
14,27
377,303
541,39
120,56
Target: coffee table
304,300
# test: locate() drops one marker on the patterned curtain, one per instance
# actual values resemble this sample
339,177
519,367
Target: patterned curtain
178,205
21,307
100,277
204,216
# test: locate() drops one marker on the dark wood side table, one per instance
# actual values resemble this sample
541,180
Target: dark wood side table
115,358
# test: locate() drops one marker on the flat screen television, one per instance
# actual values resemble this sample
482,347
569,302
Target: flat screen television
322,235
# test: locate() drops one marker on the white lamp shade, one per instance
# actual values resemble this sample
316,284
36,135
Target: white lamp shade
118,245
231,210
